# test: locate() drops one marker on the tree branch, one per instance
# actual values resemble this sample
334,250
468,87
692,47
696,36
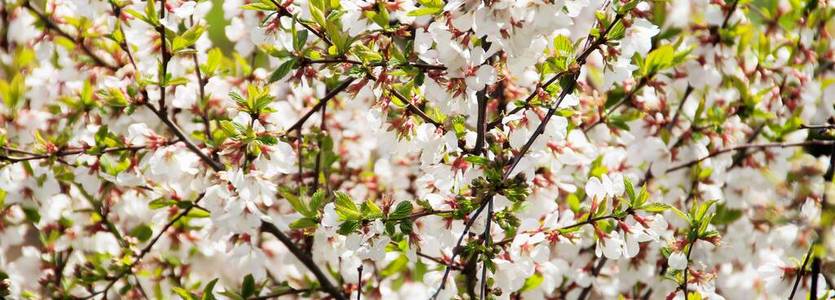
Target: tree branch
338,89
308,262
748,146
78,41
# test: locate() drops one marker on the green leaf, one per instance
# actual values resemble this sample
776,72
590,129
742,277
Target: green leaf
597,168
617,32
300,39
304,223
187,39
161,203
260,6
213,61
627,6
725,215
32,214
348,227
198,214
655,207
658,60
317,201
402,211
317,14
231,295
702,209
175,81
428,7
630,190
114,166
248,288
151,16
138,15
643,195
208,291
366,54
142,232
346,208
532,282
370,210
425,11
297,203
477,160
183,293
397,266
563,46
283,69
680,213
406,226
228,127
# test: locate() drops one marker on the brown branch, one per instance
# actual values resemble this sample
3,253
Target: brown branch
342,86
78,41
145,250
411,107
626,99
455,250
283,11
201,84
594,272
481,125
749,146
581,60
216,166
817,126
327,286
528,100
418,65
282,293
725,24
62,153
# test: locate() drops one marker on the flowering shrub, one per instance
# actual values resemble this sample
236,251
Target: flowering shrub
568,149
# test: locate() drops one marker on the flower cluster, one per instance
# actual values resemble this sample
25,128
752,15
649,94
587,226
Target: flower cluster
428,149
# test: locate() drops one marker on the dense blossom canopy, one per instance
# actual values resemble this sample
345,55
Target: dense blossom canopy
460,149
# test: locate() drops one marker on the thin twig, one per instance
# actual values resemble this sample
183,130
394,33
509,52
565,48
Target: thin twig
327,286
594,272
749,146
359,282
216,166
68,152
338,89
145,250
411,107
78,41
487,243
800,272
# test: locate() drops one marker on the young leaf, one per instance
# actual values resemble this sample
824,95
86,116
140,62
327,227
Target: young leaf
299,40
248,287
283,69
402,211
304,223
346,208
208,291
630,190
296,202
370,210
348,227
317,201
142,232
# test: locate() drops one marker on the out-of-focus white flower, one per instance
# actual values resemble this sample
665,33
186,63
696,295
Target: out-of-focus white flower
638,38
677,260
